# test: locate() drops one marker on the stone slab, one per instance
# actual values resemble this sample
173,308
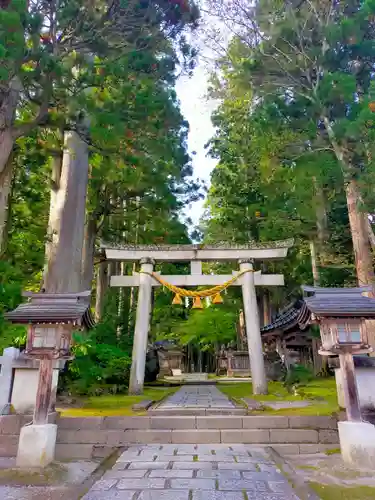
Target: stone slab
285,405
143,405
294,436
193,484
193,472
245,436
164,495
110,495
219,422
196,436
173,422
265,422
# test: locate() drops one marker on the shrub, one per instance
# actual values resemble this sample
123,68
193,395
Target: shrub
298,375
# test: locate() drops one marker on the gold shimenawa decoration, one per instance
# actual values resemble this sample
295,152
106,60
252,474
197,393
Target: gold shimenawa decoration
198,294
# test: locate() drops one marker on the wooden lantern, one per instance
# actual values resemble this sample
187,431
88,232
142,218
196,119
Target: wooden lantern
50,320
49,340
343,334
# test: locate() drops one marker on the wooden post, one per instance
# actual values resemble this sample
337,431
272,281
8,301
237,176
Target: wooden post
43,397
349,384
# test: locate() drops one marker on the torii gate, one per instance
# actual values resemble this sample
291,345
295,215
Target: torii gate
148,255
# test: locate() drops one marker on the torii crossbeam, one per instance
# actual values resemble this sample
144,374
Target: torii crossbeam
148,255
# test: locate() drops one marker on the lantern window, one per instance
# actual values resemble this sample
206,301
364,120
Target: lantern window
349,333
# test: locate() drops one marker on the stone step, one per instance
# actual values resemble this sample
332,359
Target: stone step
194,412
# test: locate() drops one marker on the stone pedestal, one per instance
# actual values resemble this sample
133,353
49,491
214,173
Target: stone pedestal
357,442
36,446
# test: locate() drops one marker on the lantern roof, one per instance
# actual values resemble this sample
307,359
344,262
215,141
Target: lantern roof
53,308
340,302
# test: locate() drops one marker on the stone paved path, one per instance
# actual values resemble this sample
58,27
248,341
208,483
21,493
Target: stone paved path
193,472
197,397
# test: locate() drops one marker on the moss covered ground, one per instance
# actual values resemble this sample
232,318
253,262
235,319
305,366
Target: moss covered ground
115,405
336,492
321,392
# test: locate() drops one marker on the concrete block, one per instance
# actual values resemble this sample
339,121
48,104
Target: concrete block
193,465
91,437
148,465
266,422
219,422
312,422
140,484
36,446
286,449
8,445
116,438
218,495
103,485
357,443
112,494
65,436
122,423
74,451
328,437
247,436
193,484
294,436
78,423
196,436
102,451
10,424
174,422
162,495
146,436
173,473
314,448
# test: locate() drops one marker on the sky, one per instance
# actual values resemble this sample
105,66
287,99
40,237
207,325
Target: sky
196,109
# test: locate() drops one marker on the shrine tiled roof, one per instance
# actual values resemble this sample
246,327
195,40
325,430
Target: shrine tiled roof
54,309
339,301
295,315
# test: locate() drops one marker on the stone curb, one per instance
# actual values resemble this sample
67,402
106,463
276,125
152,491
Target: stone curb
302,489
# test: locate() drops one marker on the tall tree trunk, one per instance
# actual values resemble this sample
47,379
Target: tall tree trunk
314,264
266,307
67,217
9,99
371,234
101,289
5,189
88,252
321,212
359,230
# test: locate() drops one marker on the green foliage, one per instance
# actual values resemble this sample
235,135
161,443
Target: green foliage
98,368
298,375
207,329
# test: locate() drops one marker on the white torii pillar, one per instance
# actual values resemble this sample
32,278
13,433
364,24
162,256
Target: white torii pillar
195,254
254,340
142,325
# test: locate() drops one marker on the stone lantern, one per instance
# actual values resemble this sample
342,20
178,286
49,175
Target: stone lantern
343,314
51,320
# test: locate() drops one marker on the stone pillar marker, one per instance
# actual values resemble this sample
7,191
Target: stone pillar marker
6,374
142,325
254,341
